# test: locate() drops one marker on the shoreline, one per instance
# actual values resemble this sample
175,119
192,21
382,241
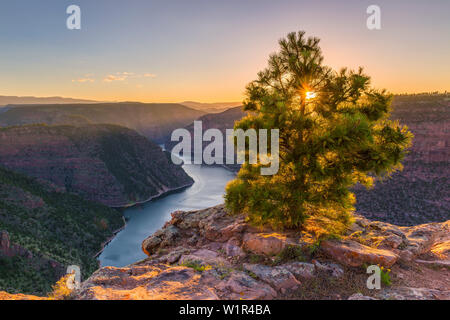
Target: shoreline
121,208
154,197
104,244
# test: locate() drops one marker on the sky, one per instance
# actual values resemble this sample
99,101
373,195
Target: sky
208,50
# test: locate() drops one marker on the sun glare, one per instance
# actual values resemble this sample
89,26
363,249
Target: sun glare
310,95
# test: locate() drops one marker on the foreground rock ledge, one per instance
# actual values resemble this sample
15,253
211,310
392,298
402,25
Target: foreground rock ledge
208,254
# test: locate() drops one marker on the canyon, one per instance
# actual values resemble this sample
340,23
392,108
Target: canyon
401,224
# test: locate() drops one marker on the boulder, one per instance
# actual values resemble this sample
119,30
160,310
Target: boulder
391,241
264,243
188,219
222,230
232,249
160,239
354,254
405,256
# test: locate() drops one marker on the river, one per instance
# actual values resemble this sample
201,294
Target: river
143,220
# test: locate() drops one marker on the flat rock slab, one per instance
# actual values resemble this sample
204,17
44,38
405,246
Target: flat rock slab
241,286
436,263
204,257
360,296
152,283
333,269
300,270
278,277
441,250
407,293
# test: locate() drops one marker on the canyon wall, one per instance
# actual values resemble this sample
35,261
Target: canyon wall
105,163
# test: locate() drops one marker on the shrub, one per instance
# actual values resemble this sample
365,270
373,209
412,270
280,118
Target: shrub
60,290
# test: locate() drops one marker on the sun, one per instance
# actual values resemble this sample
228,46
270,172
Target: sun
310,95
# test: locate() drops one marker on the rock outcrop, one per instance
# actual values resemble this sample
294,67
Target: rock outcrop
208,254
9,296
9,249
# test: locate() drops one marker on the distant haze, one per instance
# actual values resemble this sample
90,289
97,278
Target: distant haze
5,100
215,107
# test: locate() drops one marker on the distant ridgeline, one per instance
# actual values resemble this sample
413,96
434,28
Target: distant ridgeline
43,231
153,120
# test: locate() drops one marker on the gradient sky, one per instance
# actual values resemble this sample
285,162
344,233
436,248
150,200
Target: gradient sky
208,50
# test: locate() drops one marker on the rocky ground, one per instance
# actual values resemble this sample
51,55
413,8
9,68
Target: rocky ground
208,254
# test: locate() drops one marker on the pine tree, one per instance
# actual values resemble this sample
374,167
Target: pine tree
334,132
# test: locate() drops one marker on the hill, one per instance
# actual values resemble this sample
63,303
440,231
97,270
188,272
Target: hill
216,107
5,100
43,231
109,164
153,120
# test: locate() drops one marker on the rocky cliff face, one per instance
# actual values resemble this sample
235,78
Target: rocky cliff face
208,254
105,163
421,192
9,249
